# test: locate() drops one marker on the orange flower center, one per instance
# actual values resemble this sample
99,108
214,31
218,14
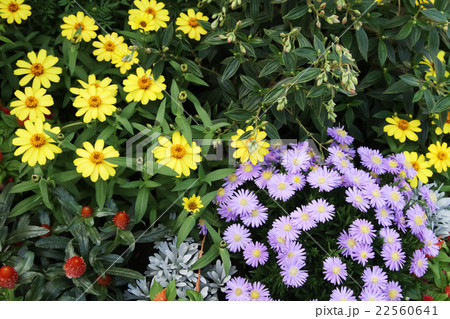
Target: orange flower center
151,11
416,166
178,151
13,7
31,102
442,155
96,157
403,125
37,140
109,46
143,24
37,69
145,83
192,206
448,118
94,101
79,25
193,23
96,85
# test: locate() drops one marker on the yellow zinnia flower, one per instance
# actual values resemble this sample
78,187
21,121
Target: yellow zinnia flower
124,58
107,46
402,129
189,24
32,104
253,148
141,21
94,102
92,161
446,128
420,166
177,154
92,81
14,11
143,87
35,145
192,204
439,156
159,15
431,68
79,27
41,69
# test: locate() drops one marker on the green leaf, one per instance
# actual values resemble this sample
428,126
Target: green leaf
155,289
185,229
65,176
404,31
296,13
230,69
382,52
141,203
194,295
398,87
25,233
225,256
26,205
44,192
269,68
120,161
306,75
363,42
167,35
411,80
442,105
272,132
207,258
212,232
100,192
238,114
435,15
125,272
184,127
53,242
250,83
195,79
24,187
94,235
171,291
218,174
433,42
24,263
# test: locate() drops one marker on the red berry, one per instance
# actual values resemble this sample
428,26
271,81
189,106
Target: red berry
121,220
21,123
427,298
74,267
49,230
6,110
86,212
9,180
161,296
105,281
8,277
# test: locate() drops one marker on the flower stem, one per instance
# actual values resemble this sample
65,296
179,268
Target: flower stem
200,254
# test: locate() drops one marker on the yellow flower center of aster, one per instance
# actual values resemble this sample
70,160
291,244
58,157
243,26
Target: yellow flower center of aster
340,154
358,199
79,25
238,292
31,102
287,227
383,212
321,180
321,209
420,263
281,240
343,299
267,175
254,294
221,192
393,293
151,11
351,242
371,299
193,23
418,220
177,151
344,163
295,161
94,101
304,216
293,271
37,69
336,270
376,193
402,220
376,159
432,197
290,255
375,280
415,165
255,213
109,46
281,186
442,155
364,229
248,168
232,178
393,163
356,179
237,237
13,7
243,202
145,83
363,254
37,140
403,125
390,239
341,132
256,252
192,206
297,179
395,256
395,196
429,243
96,157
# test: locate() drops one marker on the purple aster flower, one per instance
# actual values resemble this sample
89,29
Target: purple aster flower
202,227
416,219
277,242
431,242
356,198
394,164
292,250
400,220
384,216
405,189
362,230
273,157
373,193
347,243
393,257
264,177
237,237
362,253
280,187
356,177
374,278
390,236
247,171
227,213
238,289
393,197
259,292
295,160
419,264
393,291
335,270
303,218
342,164
430,197
298,180
372,159
324,179
320,210
255,254
342,294
345,148
371,294
256,218
232,181
337,152
243,202
340,135
223,195
293,274
284,227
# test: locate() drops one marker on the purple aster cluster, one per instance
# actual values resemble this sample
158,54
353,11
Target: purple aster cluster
370,188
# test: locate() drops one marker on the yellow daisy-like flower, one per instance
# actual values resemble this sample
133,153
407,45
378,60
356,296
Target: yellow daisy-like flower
426,2
420,165
177,154
93,160
94,103
156,9
446,128
141,21
192,204
79,27
439,156
402,129
189,24
32,104
92,81
14,11
124,58
253,148
143,87
431,67
107,46
35,145
41,69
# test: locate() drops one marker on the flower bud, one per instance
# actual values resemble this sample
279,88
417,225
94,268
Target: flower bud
182,96
184,67
35,178
60,137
